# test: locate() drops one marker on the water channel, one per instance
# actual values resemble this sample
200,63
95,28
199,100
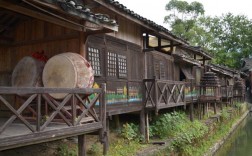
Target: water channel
239,143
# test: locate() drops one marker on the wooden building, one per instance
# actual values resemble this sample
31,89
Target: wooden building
227,79
144,66
30,115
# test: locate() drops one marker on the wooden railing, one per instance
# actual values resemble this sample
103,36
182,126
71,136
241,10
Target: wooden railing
227,91
71,114
163,93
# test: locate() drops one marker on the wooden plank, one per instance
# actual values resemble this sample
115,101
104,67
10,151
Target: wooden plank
38,112
62,104
45,40
46,136
53,105
42,90
17,113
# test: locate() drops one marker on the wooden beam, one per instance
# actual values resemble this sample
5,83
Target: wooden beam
148,50
47,39
38,15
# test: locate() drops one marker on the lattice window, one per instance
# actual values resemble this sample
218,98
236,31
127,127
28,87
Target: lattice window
122,65
94,59
159,69
111,64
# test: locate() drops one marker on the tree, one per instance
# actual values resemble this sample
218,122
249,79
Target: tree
231,38
183,16
228,37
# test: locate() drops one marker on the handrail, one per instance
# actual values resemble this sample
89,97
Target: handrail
163,93
36,100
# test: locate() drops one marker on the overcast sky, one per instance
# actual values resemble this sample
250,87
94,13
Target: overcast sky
155,9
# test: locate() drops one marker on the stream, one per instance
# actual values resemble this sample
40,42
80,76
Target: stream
240,141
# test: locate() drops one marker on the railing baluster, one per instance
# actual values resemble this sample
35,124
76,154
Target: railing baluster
74,113
38,112
17,113
67,98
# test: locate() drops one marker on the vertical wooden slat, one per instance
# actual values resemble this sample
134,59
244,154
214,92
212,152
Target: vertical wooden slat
38,112
104,119
73,105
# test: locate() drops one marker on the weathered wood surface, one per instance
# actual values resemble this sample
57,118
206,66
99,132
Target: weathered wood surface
163,93
21,130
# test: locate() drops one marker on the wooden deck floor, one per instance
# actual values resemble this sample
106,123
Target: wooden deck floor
17,134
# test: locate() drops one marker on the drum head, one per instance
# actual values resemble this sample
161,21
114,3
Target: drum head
27,73
59,72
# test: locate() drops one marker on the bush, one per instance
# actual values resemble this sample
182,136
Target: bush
129,131
185,133
166,125
65,150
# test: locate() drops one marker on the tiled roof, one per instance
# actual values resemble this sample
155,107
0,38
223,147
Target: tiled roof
184,58
197,50
80,10
124,9
223,70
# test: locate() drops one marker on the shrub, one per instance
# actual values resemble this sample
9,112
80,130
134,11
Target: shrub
129,131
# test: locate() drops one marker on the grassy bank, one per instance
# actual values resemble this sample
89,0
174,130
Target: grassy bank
186,138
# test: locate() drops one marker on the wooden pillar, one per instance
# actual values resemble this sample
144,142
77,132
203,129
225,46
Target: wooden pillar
81,145
117,121
204,109
106,139
215,111
104,119
191,104
147,128
142,124
82,44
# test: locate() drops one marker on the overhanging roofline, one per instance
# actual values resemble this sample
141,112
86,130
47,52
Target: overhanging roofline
151,26
197,50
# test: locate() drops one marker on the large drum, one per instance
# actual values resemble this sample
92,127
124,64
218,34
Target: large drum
67,70
27,73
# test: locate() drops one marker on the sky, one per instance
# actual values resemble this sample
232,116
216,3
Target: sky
155,9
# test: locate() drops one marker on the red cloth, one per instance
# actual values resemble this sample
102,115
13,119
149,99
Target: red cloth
40,56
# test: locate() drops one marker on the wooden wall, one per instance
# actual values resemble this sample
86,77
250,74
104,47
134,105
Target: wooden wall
160,65
128,30
5,66
35,36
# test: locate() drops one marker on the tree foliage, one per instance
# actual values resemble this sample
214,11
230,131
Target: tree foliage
183,16
228,37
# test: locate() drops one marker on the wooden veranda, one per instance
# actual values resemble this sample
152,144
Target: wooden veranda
82,111
161,94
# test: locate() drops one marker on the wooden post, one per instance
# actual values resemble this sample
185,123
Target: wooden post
117,121
81,145
142,124
215,111
191,104
38,112
142,114
147,128
82,44
103,118
156,96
